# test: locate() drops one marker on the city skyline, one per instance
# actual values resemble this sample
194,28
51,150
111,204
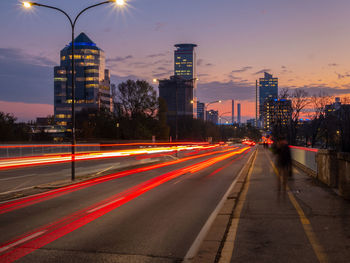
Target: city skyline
232,67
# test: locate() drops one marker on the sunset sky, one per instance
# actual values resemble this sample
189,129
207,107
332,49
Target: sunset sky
305,43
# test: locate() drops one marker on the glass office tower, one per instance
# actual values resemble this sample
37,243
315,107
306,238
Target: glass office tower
268,90
185,63
92,80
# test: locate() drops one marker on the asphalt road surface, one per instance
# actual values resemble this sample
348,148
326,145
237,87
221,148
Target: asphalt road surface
147,216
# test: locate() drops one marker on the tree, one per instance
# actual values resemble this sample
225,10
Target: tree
136,98
12,131
300,101
136,105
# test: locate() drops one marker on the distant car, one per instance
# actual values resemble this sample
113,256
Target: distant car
249,142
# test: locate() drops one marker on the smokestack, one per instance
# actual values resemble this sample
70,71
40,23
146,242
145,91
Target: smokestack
239,113
233,112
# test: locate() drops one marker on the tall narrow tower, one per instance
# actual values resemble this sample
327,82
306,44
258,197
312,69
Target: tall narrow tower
233,112
185,64
239,113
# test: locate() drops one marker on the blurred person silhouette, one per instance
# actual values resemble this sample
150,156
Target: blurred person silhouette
283,161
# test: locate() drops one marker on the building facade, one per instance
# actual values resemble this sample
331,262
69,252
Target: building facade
178,95
92,80
268,90
200,110
277,113
212,116
185,63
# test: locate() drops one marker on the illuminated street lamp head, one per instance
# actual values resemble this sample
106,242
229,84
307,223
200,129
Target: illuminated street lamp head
27,4
120,2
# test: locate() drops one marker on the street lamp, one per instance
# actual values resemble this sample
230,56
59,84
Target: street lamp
206,106
222,117
73,23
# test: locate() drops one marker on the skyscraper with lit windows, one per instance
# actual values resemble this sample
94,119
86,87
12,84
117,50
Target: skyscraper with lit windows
92,80
268,90
185,63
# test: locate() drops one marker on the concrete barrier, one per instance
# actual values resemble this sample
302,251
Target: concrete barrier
343,160
327,167
305,158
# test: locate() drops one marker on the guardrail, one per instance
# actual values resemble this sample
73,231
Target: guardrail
12,151
305,156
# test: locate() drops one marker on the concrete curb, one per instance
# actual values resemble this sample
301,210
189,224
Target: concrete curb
210,249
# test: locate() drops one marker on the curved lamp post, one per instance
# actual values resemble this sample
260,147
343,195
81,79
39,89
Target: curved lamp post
206,107
220,117
73,23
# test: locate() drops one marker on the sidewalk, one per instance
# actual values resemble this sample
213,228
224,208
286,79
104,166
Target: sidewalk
305,223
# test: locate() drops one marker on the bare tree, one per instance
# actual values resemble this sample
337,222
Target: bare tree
318,116
300,101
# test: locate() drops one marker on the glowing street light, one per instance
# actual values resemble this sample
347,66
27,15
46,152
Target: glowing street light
120,2
27,4
73,23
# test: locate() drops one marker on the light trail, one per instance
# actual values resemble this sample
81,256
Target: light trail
38,238
55,159
103,145
34,199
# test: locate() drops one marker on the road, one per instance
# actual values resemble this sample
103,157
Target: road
18,174
149,215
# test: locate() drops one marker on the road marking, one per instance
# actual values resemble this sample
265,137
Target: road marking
102,206
191,253
316,245
23,240
106,169
227,250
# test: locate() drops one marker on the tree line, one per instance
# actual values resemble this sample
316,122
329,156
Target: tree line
316,121
138,114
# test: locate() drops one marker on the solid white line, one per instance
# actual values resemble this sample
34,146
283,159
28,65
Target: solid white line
102,206
191,253
21,241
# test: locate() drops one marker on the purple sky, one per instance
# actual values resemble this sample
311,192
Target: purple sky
302,42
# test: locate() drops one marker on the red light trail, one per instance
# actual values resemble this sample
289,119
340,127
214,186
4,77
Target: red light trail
34,199
11,163
42,236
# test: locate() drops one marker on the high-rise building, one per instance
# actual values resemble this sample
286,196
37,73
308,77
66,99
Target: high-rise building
212,116
268,90
200,110
277,113
92,80
185,64
178,95
239,113
233,112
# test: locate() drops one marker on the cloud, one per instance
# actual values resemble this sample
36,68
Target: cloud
241,70
333,65
18,55
157,55
283,67
25,78
262,71
317,88
343,76
201,62
239,90
119,59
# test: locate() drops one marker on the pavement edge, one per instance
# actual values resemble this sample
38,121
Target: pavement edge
213,242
